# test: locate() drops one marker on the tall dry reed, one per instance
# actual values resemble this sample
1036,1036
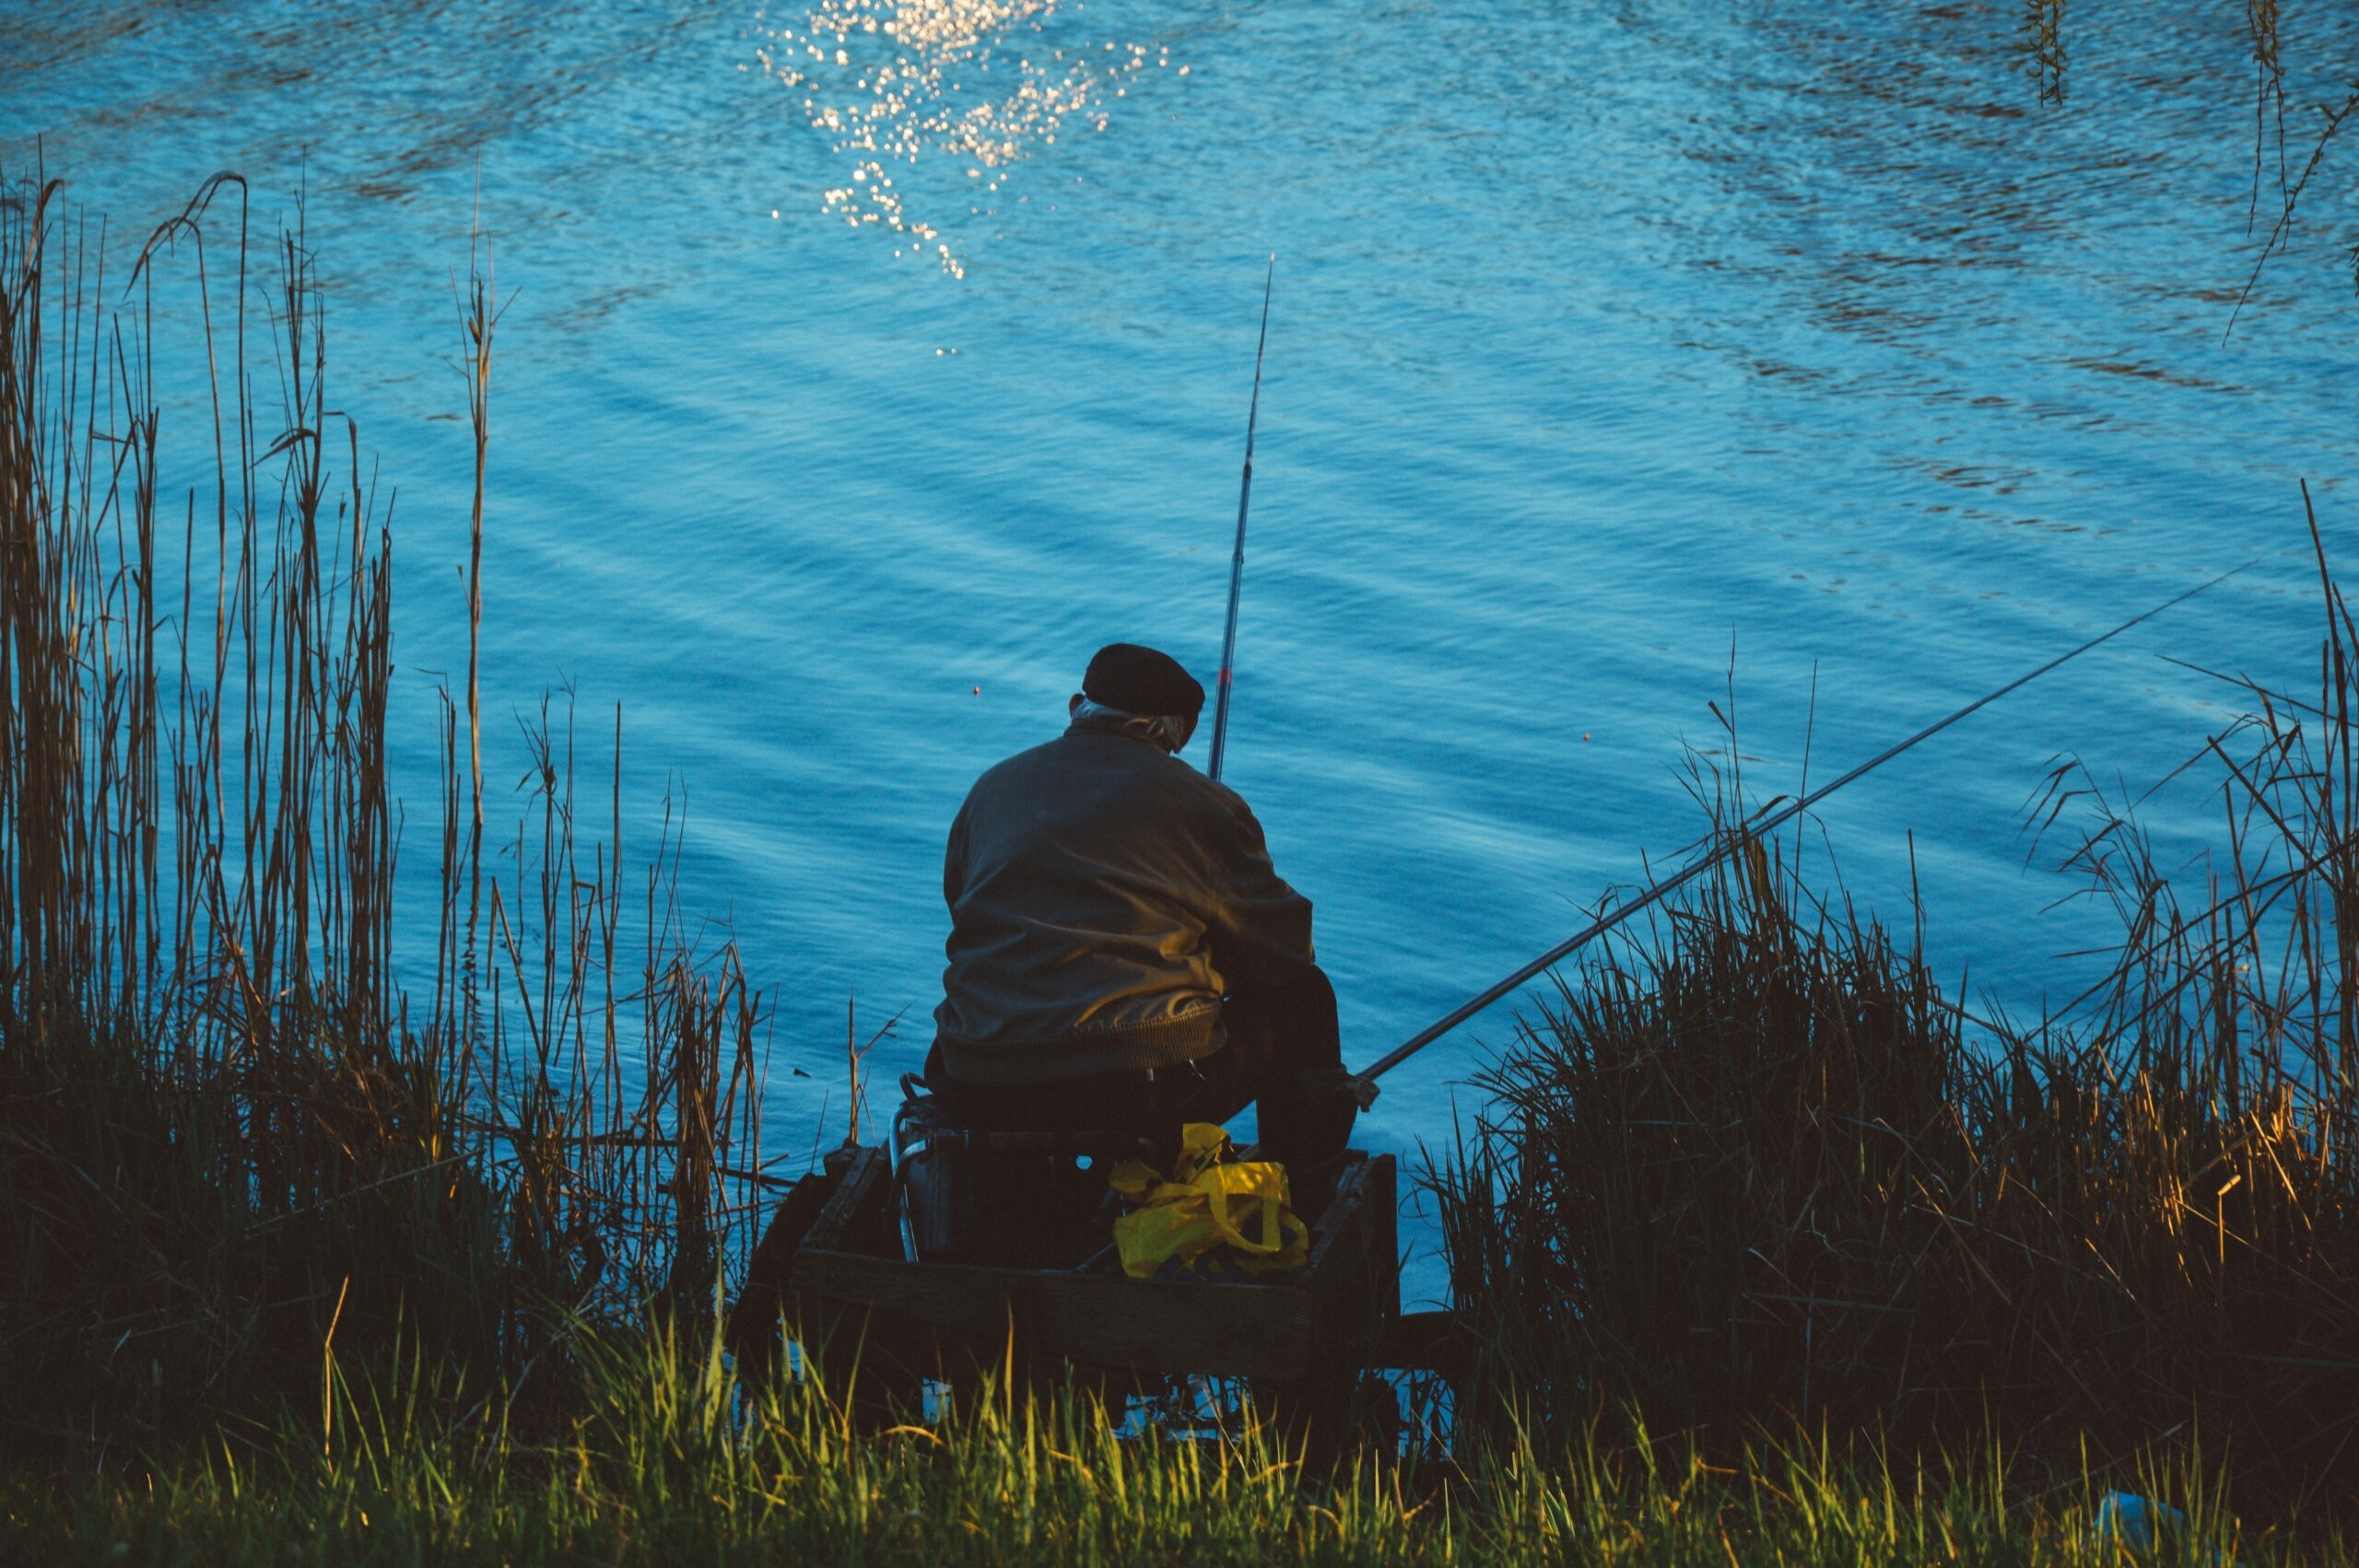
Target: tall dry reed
230,1143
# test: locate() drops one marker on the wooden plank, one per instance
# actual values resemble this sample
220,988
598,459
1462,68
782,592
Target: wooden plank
1356,1280
1140,1325
843,1225
1342,1206
1333,1313
753,1320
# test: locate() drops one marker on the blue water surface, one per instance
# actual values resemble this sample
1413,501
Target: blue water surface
1622,354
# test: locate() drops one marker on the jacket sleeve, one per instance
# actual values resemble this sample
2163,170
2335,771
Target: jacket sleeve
1258,924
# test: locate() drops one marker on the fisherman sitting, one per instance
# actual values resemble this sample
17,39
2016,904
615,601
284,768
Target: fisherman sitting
1123,954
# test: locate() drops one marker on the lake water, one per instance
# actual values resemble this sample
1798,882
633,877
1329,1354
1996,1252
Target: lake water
1609,342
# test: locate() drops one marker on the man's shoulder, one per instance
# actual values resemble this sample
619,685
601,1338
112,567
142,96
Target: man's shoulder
1134,763
1060,755
1030,757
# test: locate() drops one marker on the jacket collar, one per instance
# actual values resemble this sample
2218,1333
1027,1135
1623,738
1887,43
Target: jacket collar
1150,729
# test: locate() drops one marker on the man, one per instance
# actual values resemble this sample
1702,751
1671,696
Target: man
1123,954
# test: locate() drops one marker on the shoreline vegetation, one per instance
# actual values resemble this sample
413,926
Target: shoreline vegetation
1765,1248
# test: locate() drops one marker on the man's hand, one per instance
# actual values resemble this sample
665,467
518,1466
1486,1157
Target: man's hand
1332,1084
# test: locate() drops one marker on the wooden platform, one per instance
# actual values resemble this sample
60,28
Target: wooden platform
848,1277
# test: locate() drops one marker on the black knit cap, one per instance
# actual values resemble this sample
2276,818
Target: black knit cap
1141,680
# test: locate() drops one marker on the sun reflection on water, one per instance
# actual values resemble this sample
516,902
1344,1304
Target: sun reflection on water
978,86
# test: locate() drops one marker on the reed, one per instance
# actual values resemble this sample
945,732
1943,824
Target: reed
227,1136
2042,39
1753,1172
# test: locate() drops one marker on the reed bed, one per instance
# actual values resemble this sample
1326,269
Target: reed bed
323,1228
1754,1171
228,1135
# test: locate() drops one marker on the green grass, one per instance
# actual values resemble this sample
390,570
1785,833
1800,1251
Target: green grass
662,1462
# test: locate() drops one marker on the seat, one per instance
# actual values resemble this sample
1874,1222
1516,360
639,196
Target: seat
1017,1198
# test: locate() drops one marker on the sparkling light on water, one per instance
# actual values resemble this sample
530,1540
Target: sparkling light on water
983,84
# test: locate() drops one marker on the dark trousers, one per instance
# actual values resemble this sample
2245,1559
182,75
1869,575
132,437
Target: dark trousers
1283,1051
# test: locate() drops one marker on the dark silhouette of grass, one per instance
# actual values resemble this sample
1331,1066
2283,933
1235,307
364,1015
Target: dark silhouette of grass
1752,1170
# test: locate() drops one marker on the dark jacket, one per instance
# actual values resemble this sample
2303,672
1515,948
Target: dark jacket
1102,896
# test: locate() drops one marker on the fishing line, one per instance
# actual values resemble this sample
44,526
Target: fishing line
1753,833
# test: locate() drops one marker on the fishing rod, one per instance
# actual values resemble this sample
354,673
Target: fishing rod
1750,834
1237,559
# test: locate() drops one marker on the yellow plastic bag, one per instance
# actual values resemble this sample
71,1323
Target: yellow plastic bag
1212,1214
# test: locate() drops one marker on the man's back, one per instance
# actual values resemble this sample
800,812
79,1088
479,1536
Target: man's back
1096,887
